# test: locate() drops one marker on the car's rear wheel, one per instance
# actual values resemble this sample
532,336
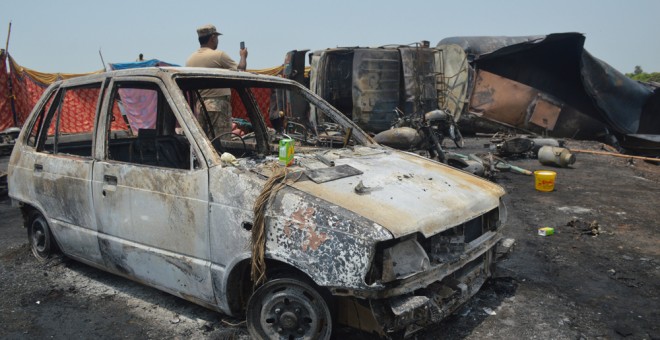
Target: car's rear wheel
288,308
41,240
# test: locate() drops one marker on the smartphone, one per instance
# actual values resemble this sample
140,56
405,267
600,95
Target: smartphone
242,45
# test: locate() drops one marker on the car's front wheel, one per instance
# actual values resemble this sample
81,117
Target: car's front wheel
288,308
41,240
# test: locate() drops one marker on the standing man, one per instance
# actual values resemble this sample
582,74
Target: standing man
216,101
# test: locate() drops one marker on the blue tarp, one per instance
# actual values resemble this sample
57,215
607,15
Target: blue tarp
139,64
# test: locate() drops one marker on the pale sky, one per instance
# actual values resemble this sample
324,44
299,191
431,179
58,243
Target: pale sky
65,36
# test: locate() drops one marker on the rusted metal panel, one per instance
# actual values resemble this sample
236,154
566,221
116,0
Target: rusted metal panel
500,99
452,79
514,104
419,69
545,114
376,81
558,65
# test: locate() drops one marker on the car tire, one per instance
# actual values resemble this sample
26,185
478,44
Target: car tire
41,239
288,308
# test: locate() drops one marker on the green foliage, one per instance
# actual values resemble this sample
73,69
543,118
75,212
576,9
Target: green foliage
640,75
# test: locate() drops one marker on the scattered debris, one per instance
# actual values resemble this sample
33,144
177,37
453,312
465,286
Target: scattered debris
228,159
550,155
623,330
584,228
3,184
489,311
513,146
505,247
651,160
360,188
546,231
8,139
575,210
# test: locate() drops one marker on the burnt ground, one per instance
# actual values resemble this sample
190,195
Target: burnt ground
598,277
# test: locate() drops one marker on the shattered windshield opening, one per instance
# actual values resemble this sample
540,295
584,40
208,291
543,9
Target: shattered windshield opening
250,117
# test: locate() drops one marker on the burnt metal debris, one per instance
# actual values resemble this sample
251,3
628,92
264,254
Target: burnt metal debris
391,235
547,85
565,90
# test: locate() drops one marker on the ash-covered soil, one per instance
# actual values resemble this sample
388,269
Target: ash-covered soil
597,277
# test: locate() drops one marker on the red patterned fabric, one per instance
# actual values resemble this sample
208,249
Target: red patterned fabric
79,109
26,93
262,96
6,116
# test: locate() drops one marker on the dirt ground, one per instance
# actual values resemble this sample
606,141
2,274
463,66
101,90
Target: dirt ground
597,277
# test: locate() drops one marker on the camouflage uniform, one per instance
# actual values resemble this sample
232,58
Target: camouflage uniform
217,101
219,114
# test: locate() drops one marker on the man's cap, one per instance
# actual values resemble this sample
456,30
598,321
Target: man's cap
207,30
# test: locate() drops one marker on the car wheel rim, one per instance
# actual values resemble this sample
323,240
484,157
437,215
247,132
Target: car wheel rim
289,309
38,236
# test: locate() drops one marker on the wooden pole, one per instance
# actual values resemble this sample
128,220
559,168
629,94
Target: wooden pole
8,35
10,84
605,153
102,61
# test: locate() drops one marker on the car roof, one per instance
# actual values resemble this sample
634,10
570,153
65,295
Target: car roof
175,72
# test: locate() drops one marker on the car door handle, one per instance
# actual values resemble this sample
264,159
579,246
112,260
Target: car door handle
38,167
109,184
111,180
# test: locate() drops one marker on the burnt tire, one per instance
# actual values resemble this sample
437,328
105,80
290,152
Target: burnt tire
41,239
288,308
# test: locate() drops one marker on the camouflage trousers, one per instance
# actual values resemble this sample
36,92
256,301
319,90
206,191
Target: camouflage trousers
219,115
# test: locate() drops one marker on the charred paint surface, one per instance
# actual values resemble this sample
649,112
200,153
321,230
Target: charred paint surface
420,196
303,220
165,208
333,245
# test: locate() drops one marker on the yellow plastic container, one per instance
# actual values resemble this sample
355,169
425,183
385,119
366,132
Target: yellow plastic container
545,180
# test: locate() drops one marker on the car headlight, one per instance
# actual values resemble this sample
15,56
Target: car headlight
403,260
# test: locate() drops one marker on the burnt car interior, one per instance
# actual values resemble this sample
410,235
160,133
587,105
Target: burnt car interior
309,128
141,126
151,135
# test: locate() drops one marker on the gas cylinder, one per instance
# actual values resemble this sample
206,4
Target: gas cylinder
552,155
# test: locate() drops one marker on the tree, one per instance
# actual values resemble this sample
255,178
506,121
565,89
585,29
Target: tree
642,76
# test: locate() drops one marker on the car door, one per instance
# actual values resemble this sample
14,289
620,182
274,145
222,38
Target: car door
61,165
150,194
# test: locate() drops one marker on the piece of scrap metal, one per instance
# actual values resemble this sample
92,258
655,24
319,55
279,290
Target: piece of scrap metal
332,173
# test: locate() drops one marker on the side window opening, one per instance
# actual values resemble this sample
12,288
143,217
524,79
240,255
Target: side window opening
39,121
70,121
143,129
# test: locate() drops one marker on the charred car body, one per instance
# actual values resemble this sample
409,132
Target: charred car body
115,171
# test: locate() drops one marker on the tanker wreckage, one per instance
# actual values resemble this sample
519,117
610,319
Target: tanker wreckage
544,85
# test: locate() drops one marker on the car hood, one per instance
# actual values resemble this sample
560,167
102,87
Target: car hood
403,192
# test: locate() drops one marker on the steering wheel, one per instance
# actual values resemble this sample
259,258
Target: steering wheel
217,143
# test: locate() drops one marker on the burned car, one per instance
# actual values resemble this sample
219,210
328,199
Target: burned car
114,170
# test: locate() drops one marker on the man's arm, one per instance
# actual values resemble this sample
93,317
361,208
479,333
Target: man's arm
242,64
